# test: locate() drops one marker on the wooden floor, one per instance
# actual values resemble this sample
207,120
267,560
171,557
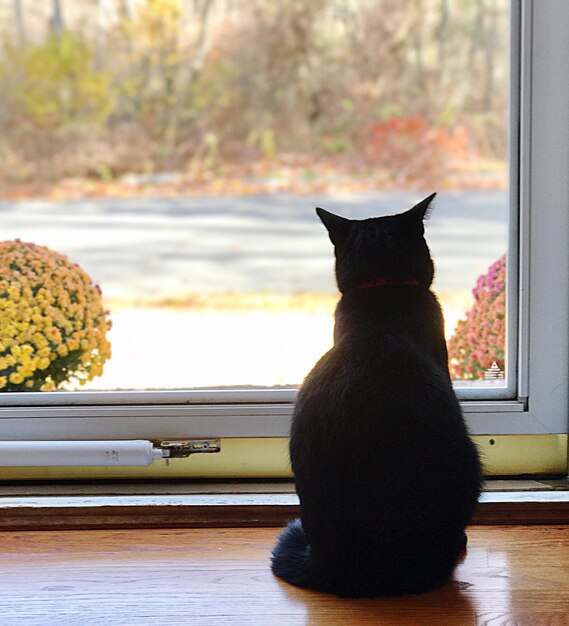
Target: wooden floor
511,575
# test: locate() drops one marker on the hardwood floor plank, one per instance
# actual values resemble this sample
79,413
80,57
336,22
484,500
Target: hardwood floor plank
511,575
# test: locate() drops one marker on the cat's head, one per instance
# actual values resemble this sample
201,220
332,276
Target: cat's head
391,248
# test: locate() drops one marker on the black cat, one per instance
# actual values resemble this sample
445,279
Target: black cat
386,474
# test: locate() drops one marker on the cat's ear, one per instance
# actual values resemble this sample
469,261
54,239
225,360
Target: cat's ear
338,227
421,211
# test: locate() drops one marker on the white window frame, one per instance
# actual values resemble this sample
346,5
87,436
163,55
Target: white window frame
536,402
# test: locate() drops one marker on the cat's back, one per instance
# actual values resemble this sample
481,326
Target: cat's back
389,356
383,390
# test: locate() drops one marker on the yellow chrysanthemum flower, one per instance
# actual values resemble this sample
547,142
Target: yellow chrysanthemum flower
52,323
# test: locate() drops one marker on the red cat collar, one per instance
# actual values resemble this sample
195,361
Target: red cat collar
387,282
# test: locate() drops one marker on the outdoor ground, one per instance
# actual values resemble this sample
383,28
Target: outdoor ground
266,341
238,290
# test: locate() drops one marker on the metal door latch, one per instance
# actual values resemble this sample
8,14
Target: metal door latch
182,449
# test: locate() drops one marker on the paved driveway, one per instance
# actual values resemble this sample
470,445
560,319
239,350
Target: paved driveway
169,246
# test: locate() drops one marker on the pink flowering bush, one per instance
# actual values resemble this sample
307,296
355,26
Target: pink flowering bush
479,340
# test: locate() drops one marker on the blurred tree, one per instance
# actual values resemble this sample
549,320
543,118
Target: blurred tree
52,86
56,21
202,18
207,80
20,22
128,8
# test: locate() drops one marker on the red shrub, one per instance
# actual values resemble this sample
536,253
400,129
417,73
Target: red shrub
414,151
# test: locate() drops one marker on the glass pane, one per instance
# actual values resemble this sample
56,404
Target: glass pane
175,151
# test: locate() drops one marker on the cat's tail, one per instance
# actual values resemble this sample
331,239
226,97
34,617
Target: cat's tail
291,560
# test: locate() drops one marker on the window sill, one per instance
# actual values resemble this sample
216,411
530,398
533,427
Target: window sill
234,505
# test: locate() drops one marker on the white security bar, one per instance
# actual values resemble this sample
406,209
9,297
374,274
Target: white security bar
78,453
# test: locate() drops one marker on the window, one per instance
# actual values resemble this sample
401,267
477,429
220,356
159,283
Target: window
531,400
